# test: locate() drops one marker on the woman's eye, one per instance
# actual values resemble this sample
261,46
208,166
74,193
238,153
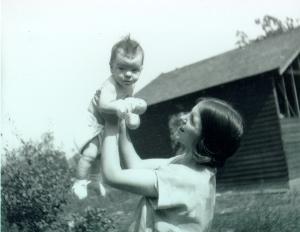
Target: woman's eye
192,120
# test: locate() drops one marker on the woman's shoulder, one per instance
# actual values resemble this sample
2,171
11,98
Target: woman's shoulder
188,174
177,177
175,159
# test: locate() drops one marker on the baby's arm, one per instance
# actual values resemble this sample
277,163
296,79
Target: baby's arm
108,102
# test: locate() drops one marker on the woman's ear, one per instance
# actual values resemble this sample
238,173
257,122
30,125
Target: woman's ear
199,154
198,146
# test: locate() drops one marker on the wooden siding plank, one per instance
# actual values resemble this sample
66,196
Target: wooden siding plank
251,162
292,130
253,175
263,142
252,172
257,136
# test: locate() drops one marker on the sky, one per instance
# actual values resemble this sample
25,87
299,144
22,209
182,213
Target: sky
55,53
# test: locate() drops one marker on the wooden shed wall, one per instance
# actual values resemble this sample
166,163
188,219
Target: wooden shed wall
290,128
260,159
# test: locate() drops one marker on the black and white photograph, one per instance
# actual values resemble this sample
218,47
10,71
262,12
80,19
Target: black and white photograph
150,116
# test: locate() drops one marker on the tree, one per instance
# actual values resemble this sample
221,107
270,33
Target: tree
271,26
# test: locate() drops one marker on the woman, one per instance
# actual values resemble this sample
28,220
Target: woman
179,193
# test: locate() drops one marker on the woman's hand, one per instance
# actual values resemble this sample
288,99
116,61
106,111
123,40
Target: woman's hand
110,119
122,126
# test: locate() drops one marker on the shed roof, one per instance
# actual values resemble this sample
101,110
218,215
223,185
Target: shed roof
274,53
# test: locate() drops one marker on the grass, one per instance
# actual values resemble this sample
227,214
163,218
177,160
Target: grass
275,211
257,212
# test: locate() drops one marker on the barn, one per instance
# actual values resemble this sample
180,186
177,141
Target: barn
262,81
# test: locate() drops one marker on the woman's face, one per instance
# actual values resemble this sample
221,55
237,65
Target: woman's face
189,131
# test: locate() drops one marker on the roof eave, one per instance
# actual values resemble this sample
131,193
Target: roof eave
275,69
285,65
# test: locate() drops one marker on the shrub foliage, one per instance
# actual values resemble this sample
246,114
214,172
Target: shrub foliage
35,190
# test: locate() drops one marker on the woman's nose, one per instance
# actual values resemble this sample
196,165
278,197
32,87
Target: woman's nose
183,120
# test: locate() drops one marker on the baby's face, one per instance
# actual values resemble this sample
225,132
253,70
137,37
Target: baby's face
126,70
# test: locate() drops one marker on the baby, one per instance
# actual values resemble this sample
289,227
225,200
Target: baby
115,98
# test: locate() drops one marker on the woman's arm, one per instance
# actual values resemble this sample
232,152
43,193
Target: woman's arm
139,181
129,155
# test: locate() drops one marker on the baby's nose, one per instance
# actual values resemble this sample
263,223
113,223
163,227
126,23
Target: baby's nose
128,74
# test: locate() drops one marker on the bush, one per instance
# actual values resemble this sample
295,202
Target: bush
92,220
35,180
36,183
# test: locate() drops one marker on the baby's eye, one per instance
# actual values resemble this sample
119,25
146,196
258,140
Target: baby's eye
135,70
121,68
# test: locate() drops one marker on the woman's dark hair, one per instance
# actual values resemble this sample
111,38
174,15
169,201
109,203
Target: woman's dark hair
221,130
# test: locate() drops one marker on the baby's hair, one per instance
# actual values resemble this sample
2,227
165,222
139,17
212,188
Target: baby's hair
130,47
221,131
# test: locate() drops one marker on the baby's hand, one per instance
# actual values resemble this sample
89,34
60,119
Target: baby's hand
136,105
122,109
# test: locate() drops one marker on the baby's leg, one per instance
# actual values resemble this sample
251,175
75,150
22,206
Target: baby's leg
94,165
88,156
